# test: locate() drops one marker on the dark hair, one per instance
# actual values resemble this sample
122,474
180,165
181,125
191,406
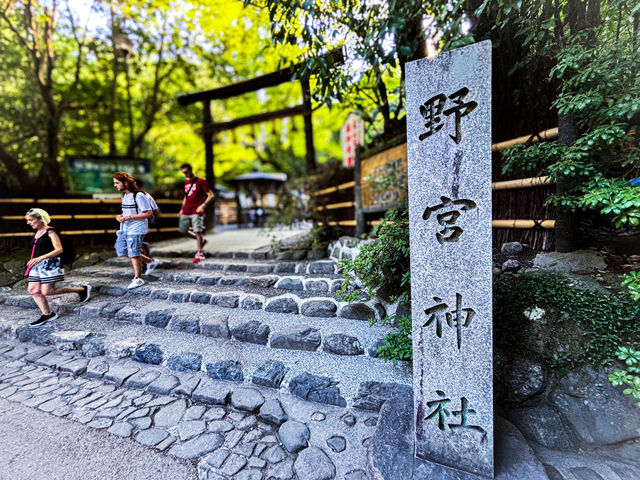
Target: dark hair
187,166
129,182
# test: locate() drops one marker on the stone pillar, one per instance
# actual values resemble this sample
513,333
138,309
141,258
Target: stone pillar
449,154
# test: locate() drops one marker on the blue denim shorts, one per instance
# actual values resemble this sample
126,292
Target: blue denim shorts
128,245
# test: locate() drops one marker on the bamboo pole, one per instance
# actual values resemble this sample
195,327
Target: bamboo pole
521,183
522,224
544,135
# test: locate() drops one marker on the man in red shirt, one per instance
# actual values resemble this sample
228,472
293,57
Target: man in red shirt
197,195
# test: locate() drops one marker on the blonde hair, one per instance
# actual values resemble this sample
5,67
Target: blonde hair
40,214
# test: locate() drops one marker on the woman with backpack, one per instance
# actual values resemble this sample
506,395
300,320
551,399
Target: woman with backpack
44,268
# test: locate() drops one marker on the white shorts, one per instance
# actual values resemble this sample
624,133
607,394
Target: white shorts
48,271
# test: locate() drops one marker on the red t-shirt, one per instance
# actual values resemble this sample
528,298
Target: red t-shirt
195,195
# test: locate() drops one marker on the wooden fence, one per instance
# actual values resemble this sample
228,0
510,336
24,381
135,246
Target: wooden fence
90,221
519,212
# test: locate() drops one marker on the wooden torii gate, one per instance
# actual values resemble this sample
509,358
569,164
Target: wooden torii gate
210,128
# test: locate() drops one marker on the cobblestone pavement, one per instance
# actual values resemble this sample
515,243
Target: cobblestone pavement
228,431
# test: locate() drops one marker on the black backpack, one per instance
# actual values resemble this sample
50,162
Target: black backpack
68,250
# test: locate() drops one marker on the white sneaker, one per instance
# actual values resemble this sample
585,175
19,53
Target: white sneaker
135,283
152,266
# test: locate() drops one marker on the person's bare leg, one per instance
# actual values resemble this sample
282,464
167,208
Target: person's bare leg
200,242
145,259
136,262
41,301
49,290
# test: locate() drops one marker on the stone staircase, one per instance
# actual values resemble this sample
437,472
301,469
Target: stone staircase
237,316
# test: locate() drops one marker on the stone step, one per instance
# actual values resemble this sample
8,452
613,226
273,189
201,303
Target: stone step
306,303
313,375
319,267
260,254
315,283
336,335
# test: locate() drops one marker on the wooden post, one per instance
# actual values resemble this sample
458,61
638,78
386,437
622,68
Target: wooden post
308,127
238,206
357,194
210,176
566,233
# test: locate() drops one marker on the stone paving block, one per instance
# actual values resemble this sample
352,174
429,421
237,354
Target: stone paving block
290,283
357,311
38,335
76,367
233,464
217,458
209,280
337,443
160,293
294,435
94,346
195,412
252,302
171,414
247,399
191,428
273,412
215,413
262,282
200,297
281,305
187,385
124,348
179,296
151,437
270,374
128,314
100,423
185,362
317,389
216,326
236,268
151,354
118,373
313,285
36,353
141,423
164,384
111,309
274,454
313,464
121,429
297,337
225,370
317,307
341,344
97,368
322,266
225,300
53,360
211,393
232,281
159,318
197,447
371,395
285,268
67,340
184,323
252,331
142,379
220,426
140,292
166,443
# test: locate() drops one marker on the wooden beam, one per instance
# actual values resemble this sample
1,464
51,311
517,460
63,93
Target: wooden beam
252,119
251,85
